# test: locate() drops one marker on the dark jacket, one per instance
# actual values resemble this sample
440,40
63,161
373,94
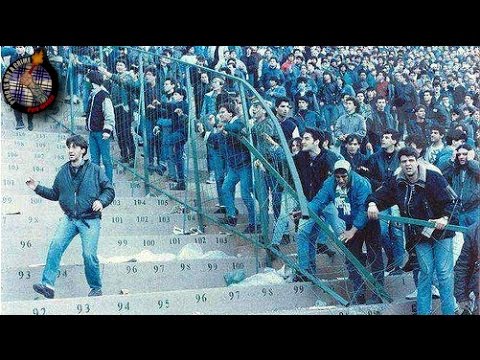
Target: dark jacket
237,154
406,97
309,118
357,160
429,198
423,129
465,181
330,156
178,123
330,93
100,115
381,166
377,124
77,204
467,267
288,127
312,172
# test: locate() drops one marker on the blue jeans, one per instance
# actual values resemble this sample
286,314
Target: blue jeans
330,113
100,147
86,89
166,147
220,170
281,226
176,142
153,147
244,175
337,225
67,229
392,240
467,218
272,185
370,236
308,233
436,257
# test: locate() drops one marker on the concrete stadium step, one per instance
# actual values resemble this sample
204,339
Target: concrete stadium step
24,143
137,277
23,251
39,125
142,205
406,307
227,300
32,249
40,146
24,206
124,224
15,185
288,298
397,286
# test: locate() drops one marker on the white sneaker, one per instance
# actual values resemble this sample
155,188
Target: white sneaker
211,179
412,296
435,294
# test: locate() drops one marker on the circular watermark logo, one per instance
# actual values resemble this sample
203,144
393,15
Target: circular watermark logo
30,84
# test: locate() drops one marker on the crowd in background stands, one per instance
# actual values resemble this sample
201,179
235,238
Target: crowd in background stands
357,103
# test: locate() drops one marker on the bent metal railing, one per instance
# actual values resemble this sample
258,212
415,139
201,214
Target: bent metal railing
200,199
296,192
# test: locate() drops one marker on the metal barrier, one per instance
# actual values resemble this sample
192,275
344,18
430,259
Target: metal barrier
162,133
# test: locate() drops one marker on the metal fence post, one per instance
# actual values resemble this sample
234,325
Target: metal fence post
143,122
70,85
191,133
256,179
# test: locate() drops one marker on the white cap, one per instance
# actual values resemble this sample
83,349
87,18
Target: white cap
342,164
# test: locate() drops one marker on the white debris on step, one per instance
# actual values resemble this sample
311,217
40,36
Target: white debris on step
143,256
269,276
147,255
286,272
190,251
179,231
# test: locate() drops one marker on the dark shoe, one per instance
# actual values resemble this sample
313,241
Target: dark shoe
44,290
179,187
170,179
300,278
221,210
160,170
411,264
124,160
324,249
95,292
252,229
230,221
19,126
285,239
30,125
131,163
358,300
